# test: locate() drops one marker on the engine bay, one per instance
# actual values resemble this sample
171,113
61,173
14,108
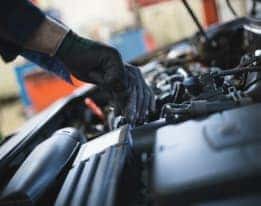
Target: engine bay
200,147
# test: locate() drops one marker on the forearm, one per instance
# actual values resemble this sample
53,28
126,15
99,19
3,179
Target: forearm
27,27
19,19
47,38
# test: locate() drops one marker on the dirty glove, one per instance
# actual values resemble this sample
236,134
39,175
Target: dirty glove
97,63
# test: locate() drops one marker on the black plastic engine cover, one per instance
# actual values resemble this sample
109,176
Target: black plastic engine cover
41,168
214,161
98,175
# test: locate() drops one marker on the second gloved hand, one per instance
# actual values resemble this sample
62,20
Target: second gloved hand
102,65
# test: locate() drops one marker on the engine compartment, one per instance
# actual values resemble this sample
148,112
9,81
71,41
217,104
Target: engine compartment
200,147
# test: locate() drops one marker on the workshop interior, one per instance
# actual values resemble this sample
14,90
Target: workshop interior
63,143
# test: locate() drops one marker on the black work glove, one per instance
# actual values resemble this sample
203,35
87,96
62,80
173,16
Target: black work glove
137,101
102,65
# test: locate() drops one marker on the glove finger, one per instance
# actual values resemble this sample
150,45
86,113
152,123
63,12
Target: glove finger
145,97
140,95
131,109
148,96
146,103
137,80
152,104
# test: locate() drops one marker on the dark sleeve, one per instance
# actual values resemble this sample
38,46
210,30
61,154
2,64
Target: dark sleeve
18,20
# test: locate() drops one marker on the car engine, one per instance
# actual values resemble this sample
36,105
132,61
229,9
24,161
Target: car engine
200,147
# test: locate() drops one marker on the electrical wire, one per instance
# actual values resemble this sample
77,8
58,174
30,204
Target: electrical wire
238,70
245,66
231,8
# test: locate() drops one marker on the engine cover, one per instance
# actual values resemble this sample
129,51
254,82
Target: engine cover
209,160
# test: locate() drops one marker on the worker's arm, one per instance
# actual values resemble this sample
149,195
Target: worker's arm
15,16
28,31
20,24
18,20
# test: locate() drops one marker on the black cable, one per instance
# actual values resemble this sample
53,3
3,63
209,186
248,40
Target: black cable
195,19
246,65
231,8
237,70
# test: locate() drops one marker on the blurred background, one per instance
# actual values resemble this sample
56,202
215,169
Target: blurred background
135,27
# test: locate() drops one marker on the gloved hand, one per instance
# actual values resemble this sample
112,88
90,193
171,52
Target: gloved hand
137,101
96,63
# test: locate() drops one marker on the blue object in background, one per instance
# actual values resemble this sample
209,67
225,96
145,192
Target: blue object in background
21,72
130,44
